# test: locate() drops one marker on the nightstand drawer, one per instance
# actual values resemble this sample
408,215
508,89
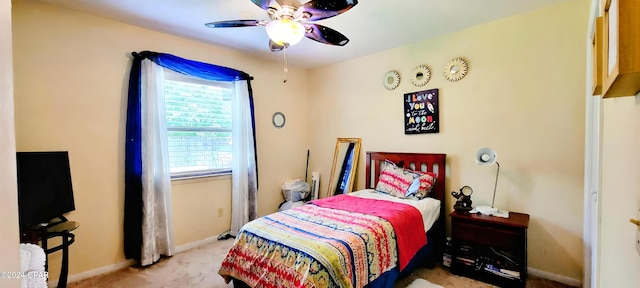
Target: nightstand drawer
482,243
485,234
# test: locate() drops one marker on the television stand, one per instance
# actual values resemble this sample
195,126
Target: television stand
54,222
58,227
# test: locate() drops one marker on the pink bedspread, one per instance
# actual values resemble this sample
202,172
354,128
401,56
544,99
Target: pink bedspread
340,242
405,219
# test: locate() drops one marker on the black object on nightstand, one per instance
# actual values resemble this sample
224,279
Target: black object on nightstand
464,199
489,248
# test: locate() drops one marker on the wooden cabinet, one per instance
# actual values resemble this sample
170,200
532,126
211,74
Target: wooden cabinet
620,48
490,249
596,44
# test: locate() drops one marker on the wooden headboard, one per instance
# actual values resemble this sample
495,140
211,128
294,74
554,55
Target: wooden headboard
425,162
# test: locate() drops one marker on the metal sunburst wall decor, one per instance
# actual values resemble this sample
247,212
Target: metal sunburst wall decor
456,69
420,75
391,80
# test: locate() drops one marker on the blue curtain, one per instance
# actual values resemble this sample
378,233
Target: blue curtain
133,147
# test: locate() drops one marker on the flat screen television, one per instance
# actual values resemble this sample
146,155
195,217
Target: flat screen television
44,186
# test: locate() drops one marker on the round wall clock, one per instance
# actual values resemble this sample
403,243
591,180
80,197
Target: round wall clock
456,69
420,75
391,80
278,120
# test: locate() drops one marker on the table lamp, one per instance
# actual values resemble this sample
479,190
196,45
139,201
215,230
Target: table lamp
487,156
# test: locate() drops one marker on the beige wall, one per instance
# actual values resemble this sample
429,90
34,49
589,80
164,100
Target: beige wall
10,256
619,260
523,96
71,73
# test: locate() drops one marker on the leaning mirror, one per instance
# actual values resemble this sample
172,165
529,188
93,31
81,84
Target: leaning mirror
343,170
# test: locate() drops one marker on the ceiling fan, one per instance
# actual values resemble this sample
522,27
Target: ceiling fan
290,20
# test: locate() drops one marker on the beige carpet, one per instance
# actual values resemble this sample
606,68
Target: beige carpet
421,283
197,268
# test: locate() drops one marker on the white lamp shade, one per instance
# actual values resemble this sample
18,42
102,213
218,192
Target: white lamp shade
285,32
486,156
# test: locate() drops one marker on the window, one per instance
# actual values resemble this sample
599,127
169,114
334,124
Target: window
198,125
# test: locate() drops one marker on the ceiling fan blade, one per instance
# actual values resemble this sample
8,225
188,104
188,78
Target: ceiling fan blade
275,47
322,9
264,4
325,35
236,23
293,3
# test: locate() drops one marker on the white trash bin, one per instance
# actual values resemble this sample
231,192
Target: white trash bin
294,192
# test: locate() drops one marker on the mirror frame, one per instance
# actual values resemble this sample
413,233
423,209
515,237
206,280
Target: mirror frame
338,158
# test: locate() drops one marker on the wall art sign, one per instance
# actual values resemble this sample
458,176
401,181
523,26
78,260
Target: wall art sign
421,112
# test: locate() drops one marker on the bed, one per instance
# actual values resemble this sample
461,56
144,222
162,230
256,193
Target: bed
360,239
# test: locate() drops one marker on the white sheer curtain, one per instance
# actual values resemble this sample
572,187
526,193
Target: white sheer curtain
157,219
244,178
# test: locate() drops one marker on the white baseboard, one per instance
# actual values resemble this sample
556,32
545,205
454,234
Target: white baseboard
94,272
554,277
195,244
124,264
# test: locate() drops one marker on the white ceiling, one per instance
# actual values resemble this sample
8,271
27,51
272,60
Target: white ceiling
371,25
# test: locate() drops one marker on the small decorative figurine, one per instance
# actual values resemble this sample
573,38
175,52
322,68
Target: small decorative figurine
464,199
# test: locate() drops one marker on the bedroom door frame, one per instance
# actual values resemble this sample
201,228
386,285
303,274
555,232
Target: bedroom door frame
592,167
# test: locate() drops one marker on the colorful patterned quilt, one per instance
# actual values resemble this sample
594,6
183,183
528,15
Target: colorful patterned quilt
341,241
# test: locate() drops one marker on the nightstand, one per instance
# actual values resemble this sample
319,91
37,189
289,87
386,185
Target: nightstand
491,249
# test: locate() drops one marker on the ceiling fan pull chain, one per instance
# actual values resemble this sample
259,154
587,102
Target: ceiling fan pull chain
286,69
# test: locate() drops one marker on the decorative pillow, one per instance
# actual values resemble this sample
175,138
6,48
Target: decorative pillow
394,180
421,185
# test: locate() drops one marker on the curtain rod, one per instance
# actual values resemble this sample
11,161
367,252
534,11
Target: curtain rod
134,54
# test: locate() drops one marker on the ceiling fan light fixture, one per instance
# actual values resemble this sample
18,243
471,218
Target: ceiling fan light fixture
285,32
291,20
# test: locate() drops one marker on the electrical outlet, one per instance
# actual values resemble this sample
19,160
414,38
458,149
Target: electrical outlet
220,212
